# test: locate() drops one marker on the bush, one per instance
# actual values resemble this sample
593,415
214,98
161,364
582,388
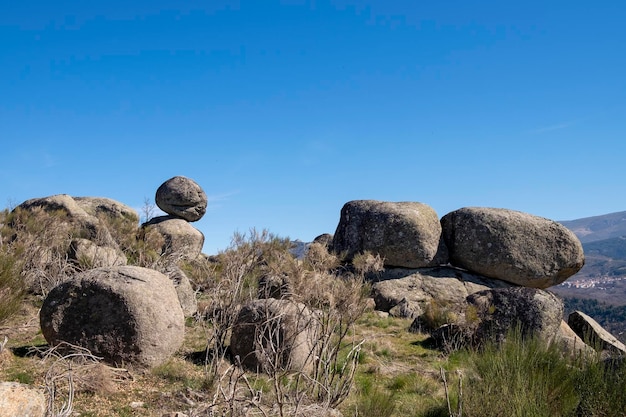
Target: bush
338,302
11,283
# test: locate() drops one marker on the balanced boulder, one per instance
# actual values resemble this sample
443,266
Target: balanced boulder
182,197
126,314
517,247
405,234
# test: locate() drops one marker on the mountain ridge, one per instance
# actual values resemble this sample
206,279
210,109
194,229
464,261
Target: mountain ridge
601,227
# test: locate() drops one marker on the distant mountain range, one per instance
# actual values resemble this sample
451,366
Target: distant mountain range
596,228
604,275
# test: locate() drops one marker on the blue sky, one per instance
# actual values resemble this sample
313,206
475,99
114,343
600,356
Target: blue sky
284,110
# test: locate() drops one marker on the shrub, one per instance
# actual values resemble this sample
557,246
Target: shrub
337,300
11,282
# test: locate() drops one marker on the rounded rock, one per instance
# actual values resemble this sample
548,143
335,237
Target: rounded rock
182,197
405,234
126,314
517,247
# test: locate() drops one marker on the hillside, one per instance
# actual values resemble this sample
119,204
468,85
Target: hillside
596,228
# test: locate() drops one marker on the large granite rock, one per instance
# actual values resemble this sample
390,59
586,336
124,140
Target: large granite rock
87,254
405,234
512,246
105,206
126,314
71,218
181,239
182,197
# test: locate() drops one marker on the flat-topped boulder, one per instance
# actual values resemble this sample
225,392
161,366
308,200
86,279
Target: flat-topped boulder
411,293
181,239
405,234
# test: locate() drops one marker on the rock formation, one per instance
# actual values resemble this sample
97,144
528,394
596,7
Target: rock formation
126,314
183,198
490,262
405,234
512,246
595,335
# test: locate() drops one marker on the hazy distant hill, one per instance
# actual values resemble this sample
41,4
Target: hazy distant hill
603,277
599,288
591,229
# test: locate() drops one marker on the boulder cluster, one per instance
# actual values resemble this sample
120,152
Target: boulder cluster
126,314
472,275
469,276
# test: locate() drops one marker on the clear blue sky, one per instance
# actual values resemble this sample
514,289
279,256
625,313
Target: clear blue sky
284,110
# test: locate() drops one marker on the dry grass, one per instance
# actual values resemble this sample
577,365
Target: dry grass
201,379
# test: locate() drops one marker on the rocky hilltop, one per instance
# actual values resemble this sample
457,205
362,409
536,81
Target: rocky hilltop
122,289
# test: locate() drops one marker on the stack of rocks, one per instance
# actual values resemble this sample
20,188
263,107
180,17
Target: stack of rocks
494,263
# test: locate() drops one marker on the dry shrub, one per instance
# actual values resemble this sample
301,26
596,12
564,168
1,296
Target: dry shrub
337,298
41,240
367,263
11,283
72,370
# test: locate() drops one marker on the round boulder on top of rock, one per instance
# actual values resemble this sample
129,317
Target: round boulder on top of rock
182,197
517,247
126,314
405,234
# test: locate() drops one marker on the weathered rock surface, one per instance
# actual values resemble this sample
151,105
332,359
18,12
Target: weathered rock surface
405,234
272,285
325,239
106,206
594,334
21,400
410,293
182,197
512,246
275,333
126,314
492,313
87,254
182,240
75,217
184,289
571,343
